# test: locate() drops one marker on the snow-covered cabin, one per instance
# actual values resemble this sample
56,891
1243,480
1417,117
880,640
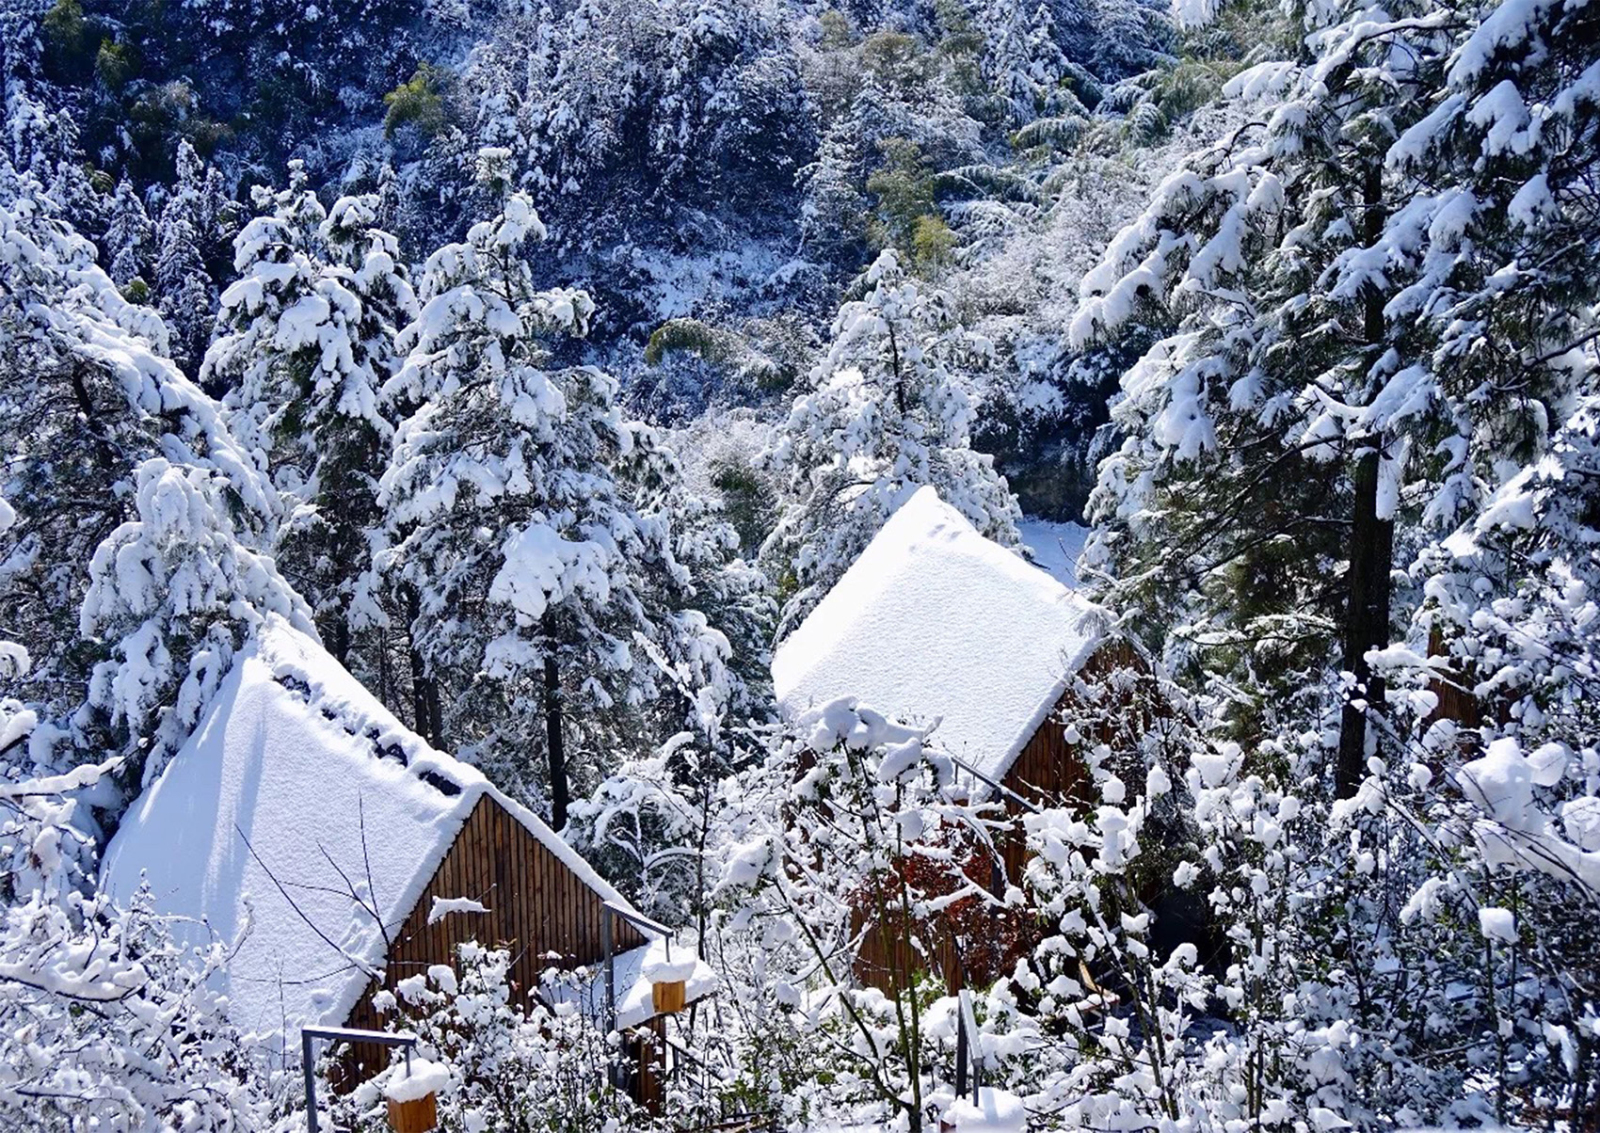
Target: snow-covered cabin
934,622
343,854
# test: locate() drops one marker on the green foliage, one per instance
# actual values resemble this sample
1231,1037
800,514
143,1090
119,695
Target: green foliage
70,43
838,30
904,188
137,291
416,102
932,242
724,349
1189,86
1146,124
114,65
161,116
708,342
898,61
1059,134
748,501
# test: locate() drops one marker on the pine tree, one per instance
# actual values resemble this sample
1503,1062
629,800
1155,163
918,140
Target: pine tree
833,218
884,416
304,346
98,425
529,574
186,295
1009,62
1130,36
1338,300
280,334
129,237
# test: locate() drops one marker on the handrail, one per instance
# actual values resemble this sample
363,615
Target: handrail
310,1035
638,919
1001,787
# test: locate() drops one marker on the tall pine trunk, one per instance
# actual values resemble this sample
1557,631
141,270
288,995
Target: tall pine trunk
555,741
1366,624
425,707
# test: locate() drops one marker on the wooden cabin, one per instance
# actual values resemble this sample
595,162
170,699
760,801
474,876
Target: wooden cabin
935,623
344,854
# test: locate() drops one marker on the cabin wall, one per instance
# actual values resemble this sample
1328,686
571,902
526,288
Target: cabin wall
1049,772
536,906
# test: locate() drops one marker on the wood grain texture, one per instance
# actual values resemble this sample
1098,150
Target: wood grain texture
1048,771
537,907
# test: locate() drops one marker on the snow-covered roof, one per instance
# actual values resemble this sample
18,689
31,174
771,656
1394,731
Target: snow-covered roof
299,814
934,621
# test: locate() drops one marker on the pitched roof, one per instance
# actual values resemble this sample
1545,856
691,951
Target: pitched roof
301,813
935,622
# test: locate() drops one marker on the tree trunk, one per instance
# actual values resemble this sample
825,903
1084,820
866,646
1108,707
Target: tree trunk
425,709
1366,623
556,742
1366,620
339,637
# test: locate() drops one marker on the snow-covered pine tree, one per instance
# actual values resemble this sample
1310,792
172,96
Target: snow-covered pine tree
1008,63
833,217
1385,360
173,593
519,556
885,414
129,239
280,333
1324,285
1130,36
186,295
330,543
1247,468
118,462
304,345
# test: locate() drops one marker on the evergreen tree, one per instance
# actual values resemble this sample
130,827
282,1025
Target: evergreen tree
110,451
833,218
304,346
1010,60
529,575
1130,36
129,237
1340,301
884,416
186,295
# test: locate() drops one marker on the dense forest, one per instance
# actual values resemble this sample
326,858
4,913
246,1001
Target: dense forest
550,363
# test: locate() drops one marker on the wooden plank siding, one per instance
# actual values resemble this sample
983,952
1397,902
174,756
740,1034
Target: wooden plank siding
1048,771
536,904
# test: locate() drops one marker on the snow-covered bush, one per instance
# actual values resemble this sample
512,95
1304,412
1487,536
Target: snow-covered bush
106,1019
852,846
515,1065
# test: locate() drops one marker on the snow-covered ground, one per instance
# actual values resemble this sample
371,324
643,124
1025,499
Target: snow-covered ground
1055,546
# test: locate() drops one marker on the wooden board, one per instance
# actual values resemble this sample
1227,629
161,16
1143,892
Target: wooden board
536,906
1048,771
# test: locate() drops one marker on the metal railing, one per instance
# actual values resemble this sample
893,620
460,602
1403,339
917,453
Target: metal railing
309,1036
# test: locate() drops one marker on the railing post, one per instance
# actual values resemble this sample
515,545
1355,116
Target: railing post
961,1055
311,1086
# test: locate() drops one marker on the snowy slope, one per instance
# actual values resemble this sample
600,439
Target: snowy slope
1055,547
934,621
299,815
